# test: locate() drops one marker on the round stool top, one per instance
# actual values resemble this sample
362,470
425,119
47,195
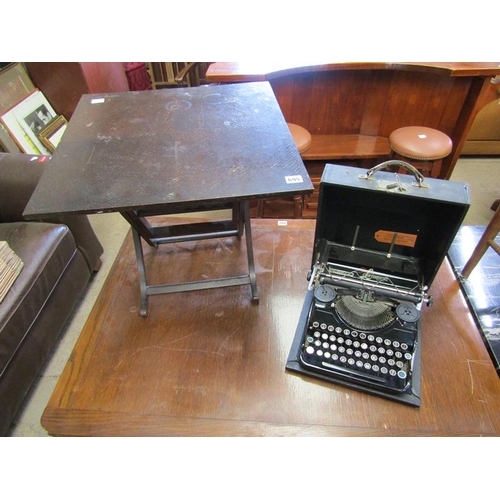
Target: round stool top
301,137
420,143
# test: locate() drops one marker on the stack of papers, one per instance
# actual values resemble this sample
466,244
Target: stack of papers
10,267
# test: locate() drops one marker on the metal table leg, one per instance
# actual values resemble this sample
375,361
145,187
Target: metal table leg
239,225
139,257
250,258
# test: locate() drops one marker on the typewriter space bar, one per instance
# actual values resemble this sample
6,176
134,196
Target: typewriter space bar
352,373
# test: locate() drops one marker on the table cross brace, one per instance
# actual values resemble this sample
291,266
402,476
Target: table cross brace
159,235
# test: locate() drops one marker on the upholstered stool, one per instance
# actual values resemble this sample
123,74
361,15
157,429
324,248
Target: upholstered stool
425,146
302,139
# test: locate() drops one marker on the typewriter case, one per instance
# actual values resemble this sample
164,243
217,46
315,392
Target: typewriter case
380,239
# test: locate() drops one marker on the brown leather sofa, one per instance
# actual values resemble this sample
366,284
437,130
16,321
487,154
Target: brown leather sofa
59,258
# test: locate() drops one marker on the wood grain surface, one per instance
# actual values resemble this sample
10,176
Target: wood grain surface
211,363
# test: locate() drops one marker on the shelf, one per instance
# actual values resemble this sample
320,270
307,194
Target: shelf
330,147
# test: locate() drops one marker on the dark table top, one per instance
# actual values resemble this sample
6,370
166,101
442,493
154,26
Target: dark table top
151,149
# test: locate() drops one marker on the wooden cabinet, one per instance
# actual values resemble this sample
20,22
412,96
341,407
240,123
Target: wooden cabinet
63,83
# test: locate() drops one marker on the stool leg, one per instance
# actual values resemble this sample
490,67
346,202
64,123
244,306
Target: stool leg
297,207
436,168
490,234
426,168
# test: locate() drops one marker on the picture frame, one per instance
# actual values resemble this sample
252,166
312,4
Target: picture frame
7,144
33,114
15,85
18,134
53,132
25,120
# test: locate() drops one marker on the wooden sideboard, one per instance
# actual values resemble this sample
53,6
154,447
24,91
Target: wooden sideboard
351,108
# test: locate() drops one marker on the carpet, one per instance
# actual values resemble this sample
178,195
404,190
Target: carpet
481,288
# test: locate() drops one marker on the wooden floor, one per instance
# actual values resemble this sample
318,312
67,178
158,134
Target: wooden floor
211,363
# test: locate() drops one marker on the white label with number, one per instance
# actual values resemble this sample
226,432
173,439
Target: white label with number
294,179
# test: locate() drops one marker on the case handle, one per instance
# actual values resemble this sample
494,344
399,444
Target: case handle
396,163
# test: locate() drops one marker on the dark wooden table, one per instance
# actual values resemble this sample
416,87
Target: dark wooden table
174,151
208,363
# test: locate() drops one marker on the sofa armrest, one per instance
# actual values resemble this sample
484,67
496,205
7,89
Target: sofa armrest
85,238
19,175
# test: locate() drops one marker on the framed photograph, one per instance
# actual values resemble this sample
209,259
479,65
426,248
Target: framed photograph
18,134
32,115
7,144
52,133
15,85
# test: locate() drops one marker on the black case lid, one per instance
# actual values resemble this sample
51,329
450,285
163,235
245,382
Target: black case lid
371,222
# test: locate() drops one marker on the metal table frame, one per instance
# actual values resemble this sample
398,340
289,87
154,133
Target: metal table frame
169,152
239,225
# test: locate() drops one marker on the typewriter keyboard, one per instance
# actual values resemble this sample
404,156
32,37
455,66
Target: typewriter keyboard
373,358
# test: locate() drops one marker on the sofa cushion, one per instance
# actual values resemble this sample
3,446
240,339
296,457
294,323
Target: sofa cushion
46,250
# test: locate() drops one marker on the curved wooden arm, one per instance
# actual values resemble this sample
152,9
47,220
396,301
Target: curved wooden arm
179,77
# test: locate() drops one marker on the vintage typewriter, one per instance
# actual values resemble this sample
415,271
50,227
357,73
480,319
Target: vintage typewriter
380,240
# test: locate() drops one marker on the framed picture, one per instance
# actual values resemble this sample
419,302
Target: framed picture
7,144
33,114
15,85
27,119
52,133
18,134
